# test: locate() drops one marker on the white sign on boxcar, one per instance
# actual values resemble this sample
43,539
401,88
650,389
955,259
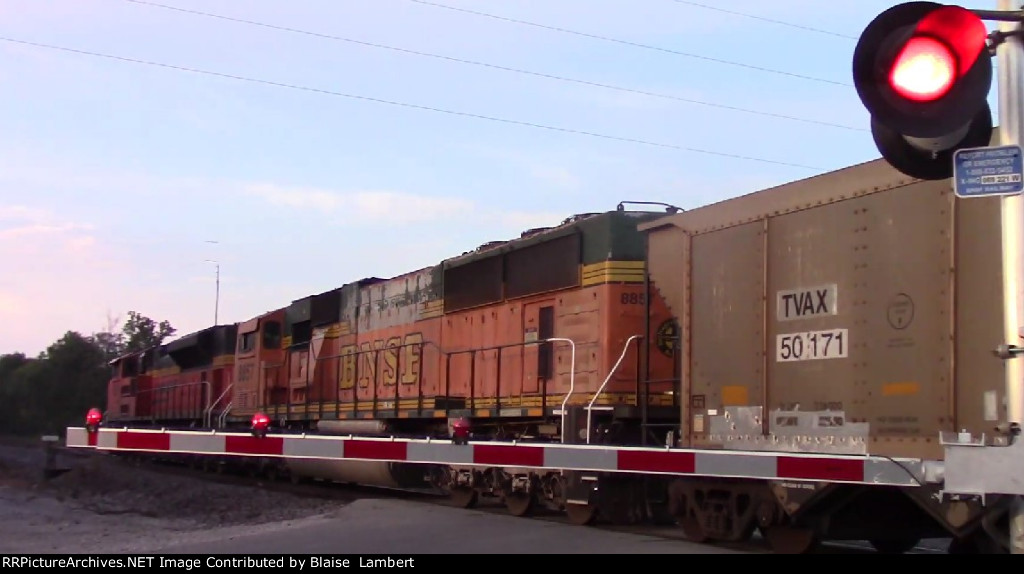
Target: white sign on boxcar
812,345
791,304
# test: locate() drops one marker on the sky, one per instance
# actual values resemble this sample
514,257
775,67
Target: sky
325,141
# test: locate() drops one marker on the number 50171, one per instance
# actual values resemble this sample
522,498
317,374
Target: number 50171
812,345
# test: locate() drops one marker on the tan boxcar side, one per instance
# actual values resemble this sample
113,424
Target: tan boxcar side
858,308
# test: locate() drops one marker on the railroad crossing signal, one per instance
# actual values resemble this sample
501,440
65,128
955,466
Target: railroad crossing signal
924,71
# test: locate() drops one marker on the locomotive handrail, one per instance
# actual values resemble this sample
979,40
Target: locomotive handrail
543,389
209,409
572,376
611,372
154,390
374,399
224,415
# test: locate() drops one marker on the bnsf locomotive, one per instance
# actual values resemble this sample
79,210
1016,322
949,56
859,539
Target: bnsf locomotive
801,356
507,337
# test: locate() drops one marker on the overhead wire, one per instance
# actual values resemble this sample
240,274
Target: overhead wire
765,19
405,104
489,65
628,43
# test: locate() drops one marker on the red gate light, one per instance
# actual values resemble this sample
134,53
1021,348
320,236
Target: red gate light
460,431
93,417
260,422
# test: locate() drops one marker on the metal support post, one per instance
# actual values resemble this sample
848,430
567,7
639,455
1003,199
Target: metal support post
1010,57
216,301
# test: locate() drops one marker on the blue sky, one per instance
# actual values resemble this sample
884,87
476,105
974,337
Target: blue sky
115,175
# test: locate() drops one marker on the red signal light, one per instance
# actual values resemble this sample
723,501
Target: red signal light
963,33
924,70
943,46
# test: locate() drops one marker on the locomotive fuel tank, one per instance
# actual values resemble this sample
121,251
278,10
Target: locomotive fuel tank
369,473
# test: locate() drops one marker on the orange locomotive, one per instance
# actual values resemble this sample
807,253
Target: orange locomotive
502,337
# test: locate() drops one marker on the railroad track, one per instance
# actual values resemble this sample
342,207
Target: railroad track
351,492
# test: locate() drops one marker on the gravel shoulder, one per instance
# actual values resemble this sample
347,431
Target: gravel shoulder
105,504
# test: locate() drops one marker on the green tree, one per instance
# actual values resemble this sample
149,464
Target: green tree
9,364
54,391
141,332
44,396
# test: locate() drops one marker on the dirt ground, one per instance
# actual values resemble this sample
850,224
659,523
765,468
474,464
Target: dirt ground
105,504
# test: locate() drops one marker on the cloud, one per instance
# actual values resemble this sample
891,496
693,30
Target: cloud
22,213
397,207
366,206
68,272
55,271
23,227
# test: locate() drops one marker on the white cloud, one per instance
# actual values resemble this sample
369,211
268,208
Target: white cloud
19,223
22,213
366,206
54,272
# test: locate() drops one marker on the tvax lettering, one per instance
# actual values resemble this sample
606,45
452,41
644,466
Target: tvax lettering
811,302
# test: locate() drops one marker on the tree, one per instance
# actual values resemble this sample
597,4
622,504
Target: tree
137,334
48,394
140,333
9,364
110,341
54,391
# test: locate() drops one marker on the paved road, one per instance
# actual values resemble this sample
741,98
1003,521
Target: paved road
398,527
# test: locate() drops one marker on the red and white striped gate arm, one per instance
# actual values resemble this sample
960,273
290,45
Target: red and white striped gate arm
665,461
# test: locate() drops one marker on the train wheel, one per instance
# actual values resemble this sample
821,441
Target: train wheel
887,546
464,497
692,529
791,540
581,514
519,503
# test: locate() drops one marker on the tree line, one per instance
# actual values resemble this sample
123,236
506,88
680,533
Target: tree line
48,393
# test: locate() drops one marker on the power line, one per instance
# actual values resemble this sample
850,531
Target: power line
763,19
627,42
493,66
405,104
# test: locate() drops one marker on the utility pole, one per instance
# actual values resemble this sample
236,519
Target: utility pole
1010,58
216,304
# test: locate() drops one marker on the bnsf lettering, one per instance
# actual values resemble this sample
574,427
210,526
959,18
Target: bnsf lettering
803,303
396,359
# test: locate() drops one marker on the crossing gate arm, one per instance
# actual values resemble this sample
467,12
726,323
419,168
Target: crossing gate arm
850,469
